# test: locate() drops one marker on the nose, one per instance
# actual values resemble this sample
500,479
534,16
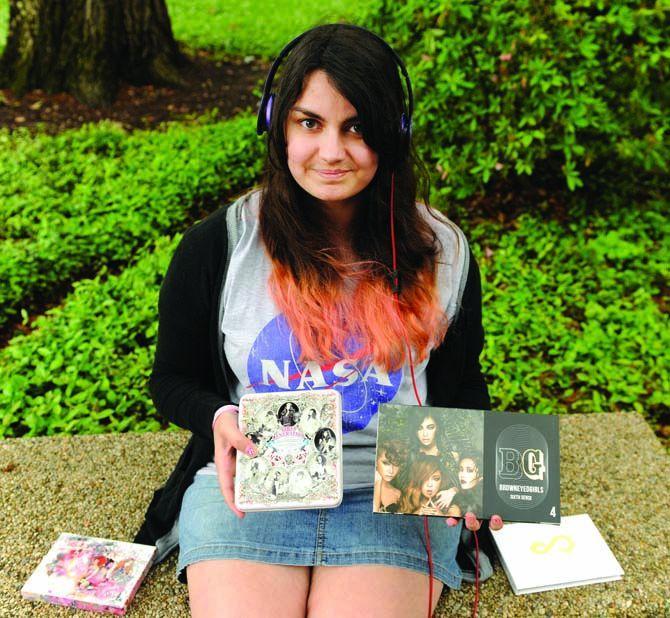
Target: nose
331,147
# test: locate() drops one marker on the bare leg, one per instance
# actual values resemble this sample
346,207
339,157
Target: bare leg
218,588
371,591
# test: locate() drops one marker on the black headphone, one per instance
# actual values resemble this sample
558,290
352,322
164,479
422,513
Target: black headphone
265,106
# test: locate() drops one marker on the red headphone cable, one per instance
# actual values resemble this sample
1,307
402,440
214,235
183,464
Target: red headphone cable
396,291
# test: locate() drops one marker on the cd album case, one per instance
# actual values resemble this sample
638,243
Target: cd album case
449,461
298,437
538,557
90,573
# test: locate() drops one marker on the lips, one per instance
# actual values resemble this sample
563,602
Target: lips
332,173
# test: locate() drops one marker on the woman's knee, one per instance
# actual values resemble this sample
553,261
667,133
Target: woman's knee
219,588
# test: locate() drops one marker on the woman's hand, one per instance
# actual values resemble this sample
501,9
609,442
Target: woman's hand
429,510
227,440
443,498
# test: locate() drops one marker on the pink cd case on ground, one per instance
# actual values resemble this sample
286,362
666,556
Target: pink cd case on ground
90,573
298,437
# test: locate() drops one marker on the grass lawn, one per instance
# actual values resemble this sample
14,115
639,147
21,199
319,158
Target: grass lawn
242,28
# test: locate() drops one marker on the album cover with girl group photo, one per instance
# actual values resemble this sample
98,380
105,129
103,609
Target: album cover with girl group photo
90,573
448,461
298,437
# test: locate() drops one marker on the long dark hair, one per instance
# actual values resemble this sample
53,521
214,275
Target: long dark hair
414,422
305,264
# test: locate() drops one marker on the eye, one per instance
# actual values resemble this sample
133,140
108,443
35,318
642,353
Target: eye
356,128
304,120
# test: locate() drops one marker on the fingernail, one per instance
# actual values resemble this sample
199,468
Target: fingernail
496,521
250,450
451,521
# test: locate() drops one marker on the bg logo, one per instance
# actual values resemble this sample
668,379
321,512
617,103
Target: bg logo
522,477
512,464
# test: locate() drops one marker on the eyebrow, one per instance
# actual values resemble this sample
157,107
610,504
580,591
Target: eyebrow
315,115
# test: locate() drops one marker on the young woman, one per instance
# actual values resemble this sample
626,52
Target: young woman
427,437
469,497
330,274
390,456
424,483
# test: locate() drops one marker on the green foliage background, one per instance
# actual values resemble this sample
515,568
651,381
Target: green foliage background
571,94
565,102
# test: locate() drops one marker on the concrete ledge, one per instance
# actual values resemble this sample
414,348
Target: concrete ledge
613,468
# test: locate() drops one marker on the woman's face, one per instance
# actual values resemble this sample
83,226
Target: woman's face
326,152
386,469
426,432
432,484
467,473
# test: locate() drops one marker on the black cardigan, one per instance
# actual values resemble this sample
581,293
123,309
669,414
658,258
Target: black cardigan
189,381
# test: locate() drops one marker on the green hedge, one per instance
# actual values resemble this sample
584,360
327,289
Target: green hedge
507,89
572,314
84,368
4,23
576,313
83,199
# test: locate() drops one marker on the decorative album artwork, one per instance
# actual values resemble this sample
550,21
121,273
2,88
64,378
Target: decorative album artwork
90,573
450,461
429,462
298,438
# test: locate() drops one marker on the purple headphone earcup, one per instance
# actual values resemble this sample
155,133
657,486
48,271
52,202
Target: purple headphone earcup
268,111
405,126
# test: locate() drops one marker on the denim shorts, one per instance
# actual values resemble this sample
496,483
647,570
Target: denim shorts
347,535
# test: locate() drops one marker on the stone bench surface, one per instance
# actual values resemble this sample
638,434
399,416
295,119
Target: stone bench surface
612,467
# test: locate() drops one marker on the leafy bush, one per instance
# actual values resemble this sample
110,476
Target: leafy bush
576,314
553,90
84,369
83,199
4,23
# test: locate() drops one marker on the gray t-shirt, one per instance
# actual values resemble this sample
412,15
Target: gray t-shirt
264,355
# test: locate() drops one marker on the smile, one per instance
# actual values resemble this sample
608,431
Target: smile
334,175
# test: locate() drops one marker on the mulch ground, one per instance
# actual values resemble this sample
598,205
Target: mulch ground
211,83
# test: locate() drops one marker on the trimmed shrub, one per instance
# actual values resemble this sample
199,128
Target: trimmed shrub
575,317
576,314
546,90
93,197
84,369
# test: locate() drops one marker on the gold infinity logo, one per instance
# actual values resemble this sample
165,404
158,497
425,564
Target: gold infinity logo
563,542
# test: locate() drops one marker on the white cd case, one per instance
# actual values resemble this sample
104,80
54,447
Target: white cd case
298,438
539,557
